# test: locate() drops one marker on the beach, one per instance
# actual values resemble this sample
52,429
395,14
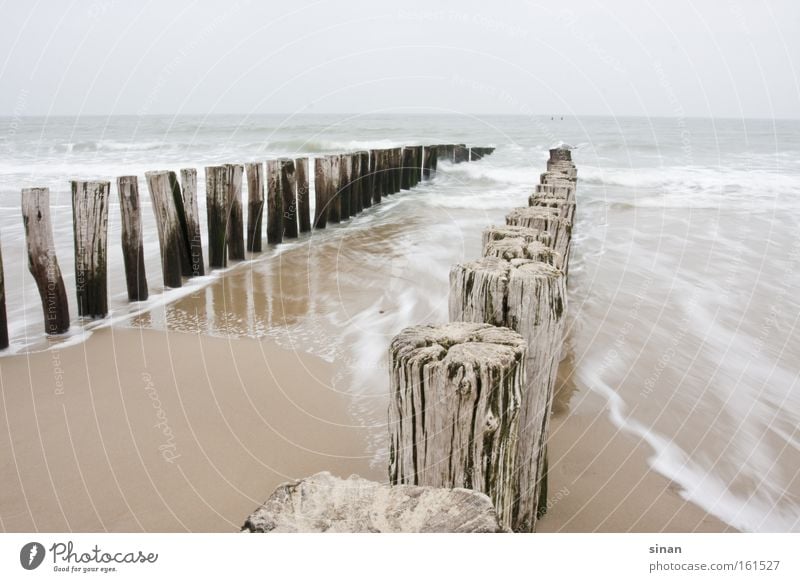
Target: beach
141,430
676,407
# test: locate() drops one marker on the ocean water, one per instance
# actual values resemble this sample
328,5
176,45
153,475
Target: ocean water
683,305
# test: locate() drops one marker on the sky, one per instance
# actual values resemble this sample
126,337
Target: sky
676,58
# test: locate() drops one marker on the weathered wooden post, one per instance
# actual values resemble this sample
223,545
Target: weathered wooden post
345,169
167,202
397,170
255,205
407,168
321,190
42,261
274,202
417,175
517,248
460,153
454,406
434,160
565,208
218,180
374,177
427,162
90,232
353,189
289,194
335,195
132,240
560,162
365,179
528,296
546,219
235,232
563,189
303,202
192,214
3,317
384,174
356,201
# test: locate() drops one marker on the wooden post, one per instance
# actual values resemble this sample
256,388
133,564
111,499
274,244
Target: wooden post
303,202
289,194
345,168
189,199
322,168
255,205
434,160
356,201
545,219
529,297
512,242
427,162
374,180
90,232
454,406
407,168
397,170
167,201
386,165
417,174
3,317
365,179
566,208
218,179
235,232
460,153
42,261
335,195
274,202
132,245
563,189
561,154
350,164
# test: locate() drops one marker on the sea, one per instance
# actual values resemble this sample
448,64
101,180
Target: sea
684,282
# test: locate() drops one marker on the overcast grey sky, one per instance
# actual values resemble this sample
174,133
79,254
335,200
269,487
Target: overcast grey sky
735,58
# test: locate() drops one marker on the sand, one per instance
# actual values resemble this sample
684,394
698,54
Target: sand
141,430
600,482
144,430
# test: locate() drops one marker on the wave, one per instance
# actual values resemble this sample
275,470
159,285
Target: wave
693,187
695,178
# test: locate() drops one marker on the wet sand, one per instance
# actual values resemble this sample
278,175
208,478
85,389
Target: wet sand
600,482
141,430
144,430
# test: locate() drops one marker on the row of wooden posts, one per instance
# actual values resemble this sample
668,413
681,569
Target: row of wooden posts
471,399
345,185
